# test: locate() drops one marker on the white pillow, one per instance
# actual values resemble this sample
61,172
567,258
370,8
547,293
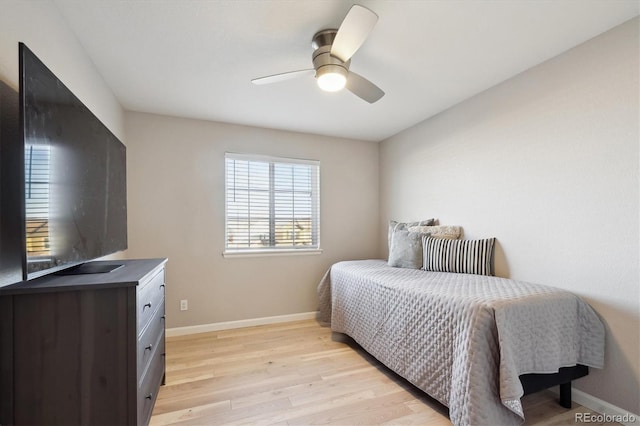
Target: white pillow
439,231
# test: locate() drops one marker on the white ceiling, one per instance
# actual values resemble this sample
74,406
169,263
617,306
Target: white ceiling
195,58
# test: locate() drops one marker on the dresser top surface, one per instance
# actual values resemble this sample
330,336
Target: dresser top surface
130,274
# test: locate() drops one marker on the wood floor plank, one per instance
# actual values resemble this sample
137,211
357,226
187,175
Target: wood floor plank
180,416
299,373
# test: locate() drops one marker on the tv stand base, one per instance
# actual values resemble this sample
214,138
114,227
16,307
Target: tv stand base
91,268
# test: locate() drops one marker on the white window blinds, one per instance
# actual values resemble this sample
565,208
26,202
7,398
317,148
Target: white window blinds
271,203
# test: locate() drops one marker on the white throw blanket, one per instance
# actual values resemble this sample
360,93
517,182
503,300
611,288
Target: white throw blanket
463,339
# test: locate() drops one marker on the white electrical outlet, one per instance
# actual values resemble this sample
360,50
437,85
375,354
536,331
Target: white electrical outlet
184,305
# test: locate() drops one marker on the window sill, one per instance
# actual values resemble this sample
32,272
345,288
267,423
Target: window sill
263,253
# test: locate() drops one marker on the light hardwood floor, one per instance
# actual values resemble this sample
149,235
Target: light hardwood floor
297,374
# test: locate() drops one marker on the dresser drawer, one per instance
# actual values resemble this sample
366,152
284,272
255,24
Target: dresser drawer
148,389
150,296
152,340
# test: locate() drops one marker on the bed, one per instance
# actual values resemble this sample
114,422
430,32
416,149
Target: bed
464,339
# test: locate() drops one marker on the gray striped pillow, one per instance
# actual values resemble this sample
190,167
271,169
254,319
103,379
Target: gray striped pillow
461,256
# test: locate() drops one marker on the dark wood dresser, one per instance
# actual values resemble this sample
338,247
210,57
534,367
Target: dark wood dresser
83,349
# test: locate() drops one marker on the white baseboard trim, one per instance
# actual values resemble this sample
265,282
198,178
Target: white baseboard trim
612,412
229,325
603,407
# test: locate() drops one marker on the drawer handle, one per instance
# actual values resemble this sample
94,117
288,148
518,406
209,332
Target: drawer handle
148,348
163,317
148,305
149,396
161,285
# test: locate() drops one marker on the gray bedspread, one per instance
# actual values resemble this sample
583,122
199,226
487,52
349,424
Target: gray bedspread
463,339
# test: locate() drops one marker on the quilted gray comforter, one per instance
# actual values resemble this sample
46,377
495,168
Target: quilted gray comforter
463,339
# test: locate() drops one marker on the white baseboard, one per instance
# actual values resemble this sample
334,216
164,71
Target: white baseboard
613,412
603,407
228,325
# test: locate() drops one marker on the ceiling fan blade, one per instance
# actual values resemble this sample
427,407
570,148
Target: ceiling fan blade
283,76
353,31
363,88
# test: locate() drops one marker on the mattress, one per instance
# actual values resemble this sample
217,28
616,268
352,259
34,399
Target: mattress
463,339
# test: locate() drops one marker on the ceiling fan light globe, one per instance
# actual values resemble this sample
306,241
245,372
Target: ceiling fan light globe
331,82
331,78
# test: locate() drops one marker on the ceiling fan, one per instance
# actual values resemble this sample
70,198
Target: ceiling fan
332,54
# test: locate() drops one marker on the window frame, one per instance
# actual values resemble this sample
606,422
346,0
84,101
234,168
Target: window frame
273,250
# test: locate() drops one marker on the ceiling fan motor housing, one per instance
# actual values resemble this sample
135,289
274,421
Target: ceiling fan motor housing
323,62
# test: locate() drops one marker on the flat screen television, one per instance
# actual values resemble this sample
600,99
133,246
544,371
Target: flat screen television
75,195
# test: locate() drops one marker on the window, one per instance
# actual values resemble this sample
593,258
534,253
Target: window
272,204
37,160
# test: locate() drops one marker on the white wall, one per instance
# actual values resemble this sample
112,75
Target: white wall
176,210
40,26
548,163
